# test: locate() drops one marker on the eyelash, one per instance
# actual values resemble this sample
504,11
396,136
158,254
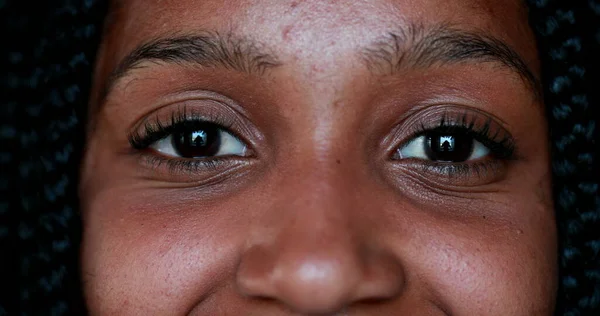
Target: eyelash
499,142
155,130
501,148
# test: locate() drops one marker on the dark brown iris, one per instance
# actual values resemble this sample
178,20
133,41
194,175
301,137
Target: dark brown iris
448,147
201,142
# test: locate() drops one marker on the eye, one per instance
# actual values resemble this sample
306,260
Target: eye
444,147
200,140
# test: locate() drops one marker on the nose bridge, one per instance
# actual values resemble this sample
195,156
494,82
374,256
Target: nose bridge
317,211
318,203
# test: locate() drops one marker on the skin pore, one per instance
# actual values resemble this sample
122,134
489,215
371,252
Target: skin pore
315,187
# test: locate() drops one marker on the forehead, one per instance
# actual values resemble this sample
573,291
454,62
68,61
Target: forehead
331,13
304,28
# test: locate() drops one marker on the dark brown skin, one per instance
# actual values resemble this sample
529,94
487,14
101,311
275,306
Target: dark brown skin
320,215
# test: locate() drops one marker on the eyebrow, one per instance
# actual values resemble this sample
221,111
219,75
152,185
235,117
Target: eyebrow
418,47
208,50
414,46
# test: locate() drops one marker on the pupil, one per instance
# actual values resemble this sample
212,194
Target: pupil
449,148
201,142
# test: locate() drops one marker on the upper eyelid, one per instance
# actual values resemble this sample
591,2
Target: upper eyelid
156,125
191,99
210,107
489,129
450,117
428,118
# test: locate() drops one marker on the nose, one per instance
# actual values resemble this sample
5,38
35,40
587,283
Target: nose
318,256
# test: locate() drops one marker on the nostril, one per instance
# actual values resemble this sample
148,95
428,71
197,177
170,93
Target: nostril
255,274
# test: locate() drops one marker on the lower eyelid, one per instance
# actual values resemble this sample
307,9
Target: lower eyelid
468,174
189,172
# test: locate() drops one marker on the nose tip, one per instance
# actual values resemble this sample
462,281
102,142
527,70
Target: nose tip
317,284
311,286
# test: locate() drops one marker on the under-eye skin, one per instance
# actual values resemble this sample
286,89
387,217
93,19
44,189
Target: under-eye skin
188,142
465,147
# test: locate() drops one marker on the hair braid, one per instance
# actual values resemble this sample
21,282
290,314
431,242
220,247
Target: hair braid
567,52
45,85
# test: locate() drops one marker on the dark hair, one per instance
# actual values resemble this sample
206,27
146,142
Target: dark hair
47,60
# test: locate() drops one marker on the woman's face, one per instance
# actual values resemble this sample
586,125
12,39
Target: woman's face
382,157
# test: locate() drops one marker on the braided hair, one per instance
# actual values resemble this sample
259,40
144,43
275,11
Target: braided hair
45,83
46,80
568,35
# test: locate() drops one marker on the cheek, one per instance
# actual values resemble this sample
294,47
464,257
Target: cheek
146,254
496,268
